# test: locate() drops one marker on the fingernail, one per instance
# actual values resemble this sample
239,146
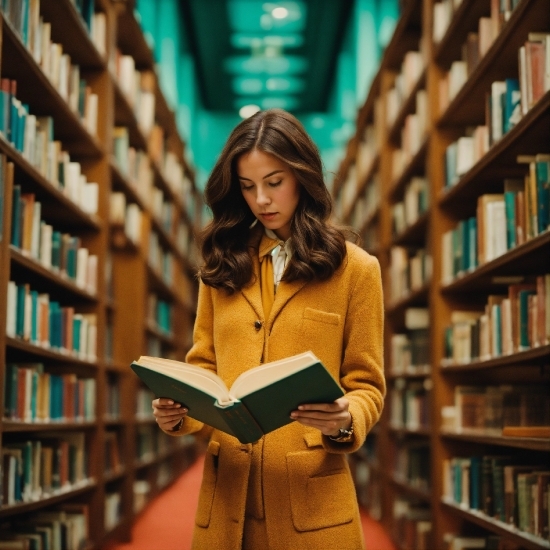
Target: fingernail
170,402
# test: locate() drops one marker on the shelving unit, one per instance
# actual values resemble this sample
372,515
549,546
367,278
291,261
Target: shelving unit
126,459
419,517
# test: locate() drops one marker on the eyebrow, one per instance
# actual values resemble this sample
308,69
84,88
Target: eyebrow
266,176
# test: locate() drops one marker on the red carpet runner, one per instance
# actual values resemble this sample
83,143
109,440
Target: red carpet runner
179,504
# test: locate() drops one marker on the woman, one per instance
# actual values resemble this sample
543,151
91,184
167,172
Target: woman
278,279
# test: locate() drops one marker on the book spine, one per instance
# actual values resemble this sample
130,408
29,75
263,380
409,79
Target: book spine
241,422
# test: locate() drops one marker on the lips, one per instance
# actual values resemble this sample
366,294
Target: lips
268,215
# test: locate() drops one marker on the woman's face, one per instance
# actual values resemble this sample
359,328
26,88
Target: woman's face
270,189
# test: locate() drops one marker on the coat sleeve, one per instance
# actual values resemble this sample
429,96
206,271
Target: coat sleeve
362,370
202,354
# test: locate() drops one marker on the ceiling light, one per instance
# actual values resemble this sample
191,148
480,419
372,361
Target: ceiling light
247,111
250,40
280,102
318,122
284,84
247,85
279,13
287,65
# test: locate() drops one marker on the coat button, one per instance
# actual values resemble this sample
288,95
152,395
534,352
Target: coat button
257,325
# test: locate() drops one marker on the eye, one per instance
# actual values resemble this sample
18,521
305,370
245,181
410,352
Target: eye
275,183
246,187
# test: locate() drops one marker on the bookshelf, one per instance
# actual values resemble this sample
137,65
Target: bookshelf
97,260
462,358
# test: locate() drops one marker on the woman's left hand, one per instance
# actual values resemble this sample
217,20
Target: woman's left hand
327,417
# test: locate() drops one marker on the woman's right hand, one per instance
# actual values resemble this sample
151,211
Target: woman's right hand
167,413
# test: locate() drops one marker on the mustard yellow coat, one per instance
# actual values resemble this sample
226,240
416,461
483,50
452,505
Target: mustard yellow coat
308,499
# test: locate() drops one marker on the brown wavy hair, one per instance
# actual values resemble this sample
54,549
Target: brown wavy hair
318,246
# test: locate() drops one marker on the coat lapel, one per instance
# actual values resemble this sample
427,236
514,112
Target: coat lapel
252,293
261,244
285,292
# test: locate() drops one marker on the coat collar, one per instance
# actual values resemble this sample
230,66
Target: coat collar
259,244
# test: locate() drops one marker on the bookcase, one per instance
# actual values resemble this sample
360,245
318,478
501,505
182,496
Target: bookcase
446,179
98,210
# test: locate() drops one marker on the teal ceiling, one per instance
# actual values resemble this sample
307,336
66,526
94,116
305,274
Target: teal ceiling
267,54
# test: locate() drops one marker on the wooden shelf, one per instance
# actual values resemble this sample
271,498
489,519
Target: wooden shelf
121,183
61,287
110,476
415,167
25,507
411,490
521,260
527,443
131,41
121,332
410,375
415,234
500,62
167,339
73,34
18,64
408,107
12,426
447,207
20,348
403,432
166,240
509,532
55,205
465,19
124,116
406,35
535,356
370,220
415,298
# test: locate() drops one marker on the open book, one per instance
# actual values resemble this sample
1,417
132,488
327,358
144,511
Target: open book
259,401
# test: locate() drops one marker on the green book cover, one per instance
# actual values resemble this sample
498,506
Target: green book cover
543,191
475,482
34,318
457,251
523,308
510,205
525,500
258,402
10,391
20,319
56,249
77,323
16,216
472,247
465,245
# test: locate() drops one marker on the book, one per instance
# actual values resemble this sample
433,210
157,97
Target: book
526,431
259,401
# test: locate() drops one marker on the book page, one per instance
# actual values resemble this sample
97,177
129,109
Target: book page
202,379
264,375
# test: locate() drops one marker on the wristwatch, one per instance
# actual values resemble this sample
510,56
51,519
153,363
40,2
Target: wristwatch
344,435
178,426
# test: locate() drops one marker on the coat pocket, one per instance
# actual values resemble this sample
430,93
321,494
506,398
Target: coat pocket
322,333
321,491
208,486
321,316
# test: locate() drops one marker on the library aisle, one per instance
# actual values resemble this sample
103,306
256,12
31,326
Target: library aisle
432,118
168,520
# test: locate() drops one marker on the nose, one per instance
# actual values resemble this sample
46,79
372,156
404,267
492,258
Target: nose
262,198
